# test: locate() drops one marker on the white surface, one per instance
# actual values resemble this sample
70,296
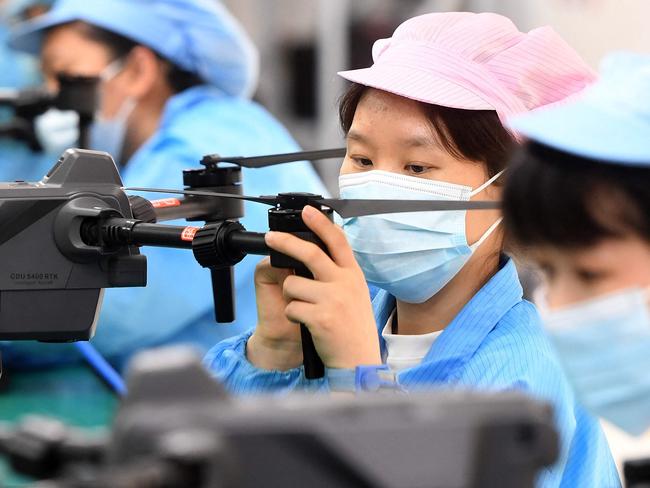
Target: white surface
406,351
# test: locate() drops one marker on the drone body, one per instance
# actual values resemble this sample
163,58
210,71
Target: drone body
51,282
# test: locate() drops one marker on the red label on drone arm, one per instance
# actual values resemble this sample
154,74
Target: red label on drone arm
189,233
166,203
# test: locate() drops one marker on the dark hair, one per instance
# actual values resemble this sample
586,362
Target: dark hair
120,46
565,201
477,135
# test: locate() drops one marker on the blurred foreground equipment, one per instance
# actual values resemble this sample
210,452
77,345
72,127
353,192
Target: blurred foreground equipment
177,427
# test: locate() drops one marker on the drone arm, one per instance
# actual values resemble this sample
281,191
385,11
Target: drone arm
218,247
185,208
226,243
119,231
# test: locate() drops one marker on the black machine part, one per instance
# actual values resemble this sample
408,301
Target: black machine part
180,425
227,180
51,282
637,473
76,93
288,218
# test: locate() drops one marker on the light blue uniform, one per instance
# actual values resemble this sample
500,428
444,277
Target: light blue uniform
496,342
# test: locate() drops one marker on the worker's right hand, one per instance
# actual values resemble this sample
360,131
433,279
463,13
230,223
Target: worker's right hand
276,343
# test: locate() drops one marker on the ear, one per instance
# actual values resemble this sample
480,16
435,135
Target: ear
142,72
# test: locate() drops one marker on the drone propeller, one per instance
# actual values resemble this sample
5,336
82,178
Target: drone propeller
346,208
273,159
270,200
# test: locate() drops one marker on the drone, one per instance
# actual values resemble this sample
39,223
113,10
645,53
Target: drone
76,232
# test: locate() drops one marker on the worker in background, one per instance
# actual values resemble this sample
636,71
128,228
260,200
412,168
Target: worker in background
577,203
177,76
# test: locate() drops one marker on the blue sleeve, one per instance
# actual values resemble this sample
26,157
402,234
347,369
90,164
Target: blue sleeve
516,356
228,363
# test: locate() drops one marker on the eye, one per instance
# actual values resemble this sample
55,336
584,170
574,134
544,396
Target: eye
417,169
362,162
590,276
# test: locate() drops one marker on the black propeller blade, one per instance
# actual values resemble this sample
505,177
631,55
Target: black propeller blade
273,159
350,208
270,200
360,208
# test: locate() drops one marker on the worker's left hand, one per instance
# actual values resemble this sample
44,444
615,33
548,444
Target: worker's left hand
335,305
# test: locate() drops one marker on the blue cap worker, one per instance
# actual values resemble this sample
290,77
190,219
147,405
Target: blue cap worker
578,203
177,77
20,70
450,312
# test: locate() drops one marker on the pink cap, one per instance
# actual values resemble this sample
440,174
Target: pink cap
475,62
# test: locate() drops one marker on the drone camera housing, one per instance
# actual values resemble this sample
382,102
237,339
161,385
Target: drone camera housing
52,276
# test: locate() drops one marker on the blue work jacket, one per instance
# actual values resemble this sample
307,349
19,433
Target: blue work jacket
176,307
19,70
495,343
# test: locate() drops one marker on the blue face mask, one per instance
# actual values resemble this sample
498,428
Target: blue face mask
108,134
604,346
410,255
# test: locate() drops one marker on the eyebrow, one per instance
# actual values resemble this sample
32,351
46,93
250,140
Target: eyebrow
356,136
421,141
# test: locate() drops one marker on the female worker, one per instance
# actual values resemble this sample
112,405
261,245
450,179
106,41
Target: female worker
176,80
424,123
592,238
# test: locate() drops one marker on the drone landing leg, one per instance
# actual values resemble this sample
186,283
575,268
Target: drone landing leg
223,294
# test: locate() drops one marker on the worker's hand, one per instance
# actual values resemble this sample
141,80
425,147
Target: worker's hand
275,344
335,305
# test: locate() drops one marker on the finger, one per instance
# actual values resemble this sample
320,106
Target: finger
331,234
312,256
265,274
302,289
302,313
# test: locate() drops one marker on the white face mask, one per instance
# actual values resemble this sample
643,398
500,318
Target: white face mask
604,346
57,130
410,255
109,134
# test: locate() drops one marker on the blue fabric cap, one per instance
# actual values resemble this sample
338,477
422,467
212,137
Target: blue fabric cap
200,36
609,122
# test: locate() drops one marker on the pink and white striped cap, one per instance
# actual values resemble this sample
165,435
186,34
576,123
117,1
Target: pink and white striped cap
475,62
